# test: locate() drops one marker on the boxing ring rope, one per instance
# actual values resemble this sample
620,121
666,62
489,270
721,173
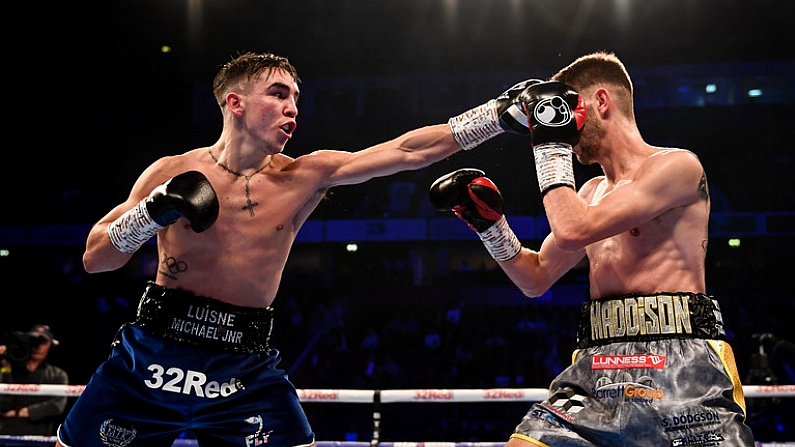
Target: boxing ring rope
394,396
375,397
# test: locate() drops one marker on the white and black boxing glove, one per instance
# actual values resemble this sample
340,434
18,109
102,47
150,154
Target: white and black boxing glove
556,115
189,195
502,114
476,200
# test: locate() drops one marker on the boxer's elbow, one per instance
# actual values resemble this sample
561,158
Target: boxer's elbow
535,288
93,262
574,227
90,265
528,274
570,237
533,292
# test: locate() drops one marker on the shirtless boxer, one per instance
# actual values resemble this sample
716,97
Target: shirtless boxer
652,366
197,356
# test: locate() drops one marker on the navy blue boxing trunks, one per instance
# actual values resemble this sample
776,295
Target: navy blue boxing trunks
193,364
650,370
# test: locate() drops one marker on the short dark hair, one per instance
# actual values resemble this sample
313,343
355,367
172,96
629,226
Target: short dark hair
249,66
599,68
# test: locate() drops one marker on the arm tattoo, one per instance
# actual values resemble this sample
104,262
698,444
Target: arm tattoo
703,191
703,188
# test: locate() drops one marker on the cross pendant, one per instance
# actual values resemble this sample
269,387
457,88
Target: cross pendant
250,206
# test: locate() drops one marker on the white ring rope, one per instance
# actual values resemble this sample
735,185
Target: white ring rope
374,396
392,396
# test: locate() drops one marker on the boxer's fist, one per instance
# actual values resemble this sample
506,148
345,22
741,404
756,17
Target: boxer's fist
187,195
555,113
510,109
502,114
470,195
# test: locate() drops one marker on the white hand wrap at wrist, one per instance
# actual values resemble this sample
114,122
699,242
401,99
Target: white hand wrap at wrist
477,125
132,229
500,241
554,165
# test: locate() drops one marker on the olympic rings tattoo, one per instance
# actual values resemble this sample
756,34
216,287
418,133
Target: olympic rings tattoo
173,266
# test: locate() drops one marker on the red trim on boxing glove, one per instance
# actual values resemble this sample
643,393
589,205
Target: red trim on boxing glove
483,208
580,112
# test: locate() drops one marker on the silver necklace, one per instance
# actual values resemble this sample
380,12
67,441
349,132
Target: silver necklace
249,204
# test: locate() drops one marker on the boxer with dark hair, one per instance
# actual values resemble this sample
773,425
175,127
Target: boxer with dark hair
197,357
652,367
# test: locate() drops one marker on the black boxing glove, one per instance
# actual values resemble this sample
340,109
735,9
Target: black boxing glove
555,115
189,195
511,110
476,200
470,195
502,114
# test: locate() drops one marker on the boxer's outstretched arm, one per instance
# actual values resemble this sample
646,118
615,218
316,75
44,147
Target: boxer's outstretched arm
421,147
413,150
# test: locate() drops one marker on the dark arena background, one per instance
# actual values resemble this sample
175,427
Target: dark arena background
381,292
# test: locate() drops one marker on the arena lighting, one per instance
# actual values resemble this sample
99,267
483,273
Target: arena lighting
734,242
711,88
352,247
4,253
754,92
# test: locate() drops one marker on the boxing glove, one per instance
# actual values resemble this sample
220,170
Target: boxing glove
555,114
511,110
189,195
477,201
470,195
502,114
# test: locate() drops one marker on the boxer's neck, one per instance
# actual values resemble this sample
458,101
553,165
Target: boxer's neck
249,204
